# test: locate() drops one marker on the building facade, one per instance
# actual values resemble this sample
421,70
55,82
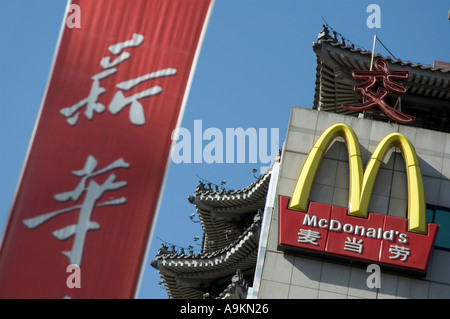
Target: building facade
295,275
246,251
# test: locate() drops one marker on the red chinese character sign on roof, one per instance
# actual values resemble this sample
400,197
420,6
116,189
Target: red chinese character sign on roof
377,98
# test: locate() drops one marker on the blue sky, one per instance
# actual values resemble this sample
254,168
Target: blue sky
256,63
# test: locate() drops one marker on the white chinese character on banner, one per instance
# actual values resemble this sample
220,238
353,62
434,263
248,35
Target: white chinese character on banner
119,101
93,192
399,251
308,236
354,245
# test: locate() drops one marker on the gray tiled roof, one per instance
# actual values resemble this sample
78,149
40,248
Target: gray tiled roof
191,275
223,213
428,86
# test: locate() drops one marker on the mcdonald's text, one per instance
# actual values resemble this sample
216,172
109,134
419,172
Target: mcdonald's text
357,230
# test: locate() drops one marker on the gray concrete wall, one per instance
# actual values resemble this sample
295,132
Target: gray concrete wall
289,275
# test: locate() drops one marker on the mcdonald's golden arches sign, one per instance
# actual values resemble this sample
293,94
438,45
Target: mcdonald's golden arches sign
353,232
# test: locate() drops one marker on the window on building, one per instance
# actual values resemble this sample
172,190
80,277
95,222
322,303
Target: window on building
442,218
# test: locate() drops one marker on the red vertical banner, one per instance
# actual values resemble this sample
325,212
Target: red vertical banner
92,179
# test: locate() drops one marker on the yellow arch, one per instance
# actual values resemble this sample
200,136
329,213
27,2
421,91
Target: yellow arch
361,185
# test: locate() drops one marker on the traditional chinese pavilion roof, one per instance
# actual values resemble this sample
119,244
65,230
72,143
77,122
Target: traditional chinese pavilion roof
231,222
193,275
224,215
427,97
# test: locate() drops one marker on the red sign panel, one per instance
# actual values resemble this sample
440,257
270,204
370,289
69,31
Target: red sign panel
376,239
93,174
377,98
347,237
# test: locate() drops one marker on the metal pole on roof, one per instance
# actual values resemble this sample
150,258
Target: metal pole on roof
373,51
371,66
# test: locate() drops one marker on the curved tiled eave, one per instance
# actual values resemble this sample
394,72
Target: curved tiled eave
358,52
225,215
205,261
214,199
189,276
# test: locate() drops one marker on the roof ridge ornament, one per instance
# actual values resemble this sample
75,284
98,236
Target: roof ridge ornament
324,33
377,98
